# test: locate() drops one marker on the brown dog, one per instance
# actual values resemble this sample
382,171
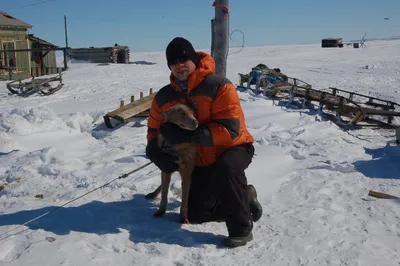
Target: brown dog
183,116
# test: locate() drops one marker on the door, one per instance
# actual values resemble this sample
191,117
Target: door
8,58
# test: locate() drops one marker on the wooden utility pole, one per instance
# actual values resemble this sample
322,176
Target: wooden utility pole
66,44
220,36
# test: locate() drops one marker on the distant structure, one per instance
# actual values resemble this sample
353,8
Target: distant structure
113,54
331,42
363,40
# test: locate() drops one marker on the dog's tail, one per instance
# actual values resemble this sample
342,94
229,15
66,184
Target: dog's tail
154,194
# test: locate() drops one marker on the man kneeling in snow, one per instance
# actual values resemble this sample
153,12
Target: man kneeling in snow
219,190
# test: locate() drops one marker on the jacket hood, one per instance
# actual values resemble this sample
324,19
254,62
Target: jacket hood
205,67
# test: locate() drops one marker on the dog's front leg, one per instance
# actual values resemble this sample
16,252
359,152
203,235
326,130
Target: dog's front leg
165,181
186,175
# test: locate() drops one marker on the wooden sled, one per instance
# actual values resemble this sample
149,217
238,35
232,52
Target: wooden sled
41,85
337,103
138,108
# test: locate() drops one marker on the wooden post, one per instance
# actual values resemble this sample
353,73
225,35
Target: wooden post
66,43
220,37
213,34
132,98
65,60
381,195
141,94
151,91
121,103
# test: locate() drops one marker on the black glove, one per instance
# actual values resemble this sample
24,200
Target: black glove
166,162
174,134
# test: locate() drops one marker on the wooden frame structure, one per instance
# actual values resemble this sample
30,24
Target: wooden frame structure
138,108
64,49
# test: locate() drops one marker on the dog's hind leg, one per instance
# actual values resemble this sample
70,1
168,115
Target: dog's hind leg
154,194
165,181
186,175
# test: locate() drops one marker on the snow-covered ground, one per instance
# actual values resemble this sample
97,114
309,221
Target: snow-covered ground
312,178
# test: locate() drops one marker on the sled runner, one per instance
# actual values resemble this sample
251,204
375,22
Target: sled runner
34,85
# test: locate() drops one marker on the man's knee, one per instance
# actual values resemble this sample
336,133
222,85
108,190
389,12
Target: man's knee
202,196
235,160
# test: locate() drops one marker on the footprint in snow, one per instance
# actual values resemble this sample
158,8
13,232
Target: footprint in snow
343,168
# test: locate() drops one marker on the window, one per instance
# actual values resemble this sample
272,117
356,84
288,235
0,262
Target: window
8,58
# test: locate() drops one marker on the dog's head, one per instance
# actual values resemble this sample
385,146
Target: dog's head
182,116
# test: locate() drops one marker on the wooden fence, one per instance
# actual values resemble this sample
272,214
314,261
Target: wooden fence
41,71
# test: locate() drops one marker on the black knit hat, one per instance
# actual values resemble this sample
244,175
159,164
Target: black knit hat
180,49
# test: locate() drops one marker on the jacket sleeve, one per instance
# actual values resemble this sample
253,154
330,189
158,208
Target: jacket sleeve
224,126
154,121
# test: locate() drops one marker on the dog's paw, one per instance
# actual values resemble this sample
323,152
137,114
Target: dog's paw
184,220
159,213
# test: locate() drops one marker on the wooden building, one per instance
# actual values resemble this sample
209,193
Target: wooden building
331,42
115,54
14,35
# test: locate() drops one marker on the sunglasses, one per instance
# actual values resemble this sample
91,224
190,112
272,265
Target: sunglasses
179,60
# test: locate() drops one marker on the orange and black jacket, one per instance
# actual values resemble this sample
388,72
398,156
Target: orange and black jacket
217,105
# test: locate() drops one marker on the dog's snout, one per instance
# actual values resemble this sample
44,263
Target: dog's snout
195,123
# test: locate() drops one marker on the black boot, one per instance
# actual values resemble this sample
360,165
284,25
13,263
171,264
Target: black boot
255,206
239,235
237,241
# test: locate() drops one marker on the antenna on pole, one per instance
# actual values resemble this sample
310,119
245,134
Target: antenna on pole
362,43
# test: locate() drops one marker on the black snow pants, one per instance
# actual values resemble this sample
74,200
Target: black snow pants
219,192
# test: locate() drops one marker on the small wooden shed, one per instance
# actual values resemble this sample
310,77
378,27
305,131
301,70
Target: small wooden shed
331,42
113,54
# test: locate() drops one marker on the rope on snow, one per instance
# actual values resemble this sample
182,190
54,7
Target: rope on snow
59,207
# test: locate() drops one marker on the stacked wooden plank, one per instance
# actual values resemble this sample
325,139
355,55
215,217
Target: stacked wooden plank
120,55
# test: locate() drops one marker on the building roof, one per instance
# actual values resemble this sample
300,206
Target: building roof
332,39
6,20
35,39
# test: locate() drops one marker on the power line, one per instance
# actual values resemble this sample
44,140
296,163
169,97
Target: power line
28,5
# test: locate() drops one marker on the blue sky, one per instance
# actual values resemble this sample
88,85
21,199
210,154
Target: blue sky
150,25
